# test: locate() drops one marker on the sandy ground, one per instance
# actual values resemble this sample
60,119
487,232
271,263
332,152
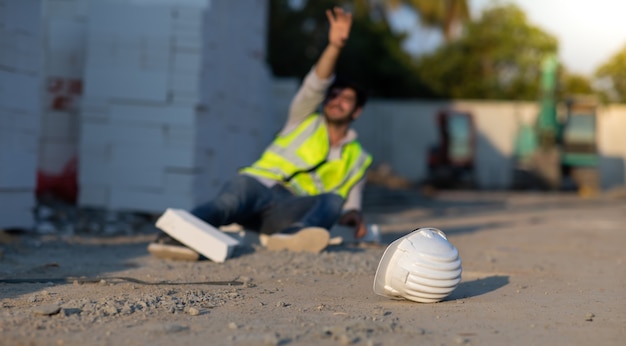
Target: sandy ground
541,269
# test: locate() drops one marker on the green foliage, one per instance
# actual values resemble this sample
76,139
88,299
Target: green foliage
574,84
499,57
442,14
614,72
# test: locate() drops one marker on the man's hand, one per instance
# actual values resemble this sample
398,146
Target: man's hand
340,23
354,219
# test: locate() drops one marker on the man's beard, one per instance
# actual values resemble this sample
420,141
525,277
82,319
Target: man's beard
341,121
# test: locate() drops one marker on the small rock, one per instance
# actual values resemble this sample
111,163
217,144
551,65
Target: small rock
193,312
346,340
271,339
127,309
32,299
461,340
173,328
47,310
233,325
45,228
70,311
110,310
589,317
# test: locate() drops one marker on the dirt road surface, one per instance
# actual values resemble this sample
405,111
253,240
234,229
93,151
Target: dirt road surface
538,269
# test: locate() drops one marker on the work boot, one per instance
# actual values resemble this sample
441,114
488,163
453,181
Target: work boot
308,239
166,247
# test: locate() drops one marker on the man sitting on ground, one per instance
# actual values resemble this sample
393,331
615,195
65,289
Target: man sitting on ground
310,177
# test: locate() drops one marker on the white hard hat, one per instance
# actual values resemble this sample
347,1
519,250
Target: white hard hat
422,266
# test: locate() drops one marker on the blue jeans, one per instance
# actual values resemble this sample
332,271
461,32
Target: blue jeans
246,201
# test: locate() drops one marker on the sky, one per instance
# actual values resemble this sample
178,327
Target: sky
589,32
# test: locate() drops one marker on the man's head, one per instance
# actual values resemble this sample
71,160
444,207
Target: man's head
344,102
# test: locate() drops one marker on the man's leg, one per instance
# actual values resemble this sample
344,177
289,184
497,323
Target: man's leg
301,223
241,200
290,214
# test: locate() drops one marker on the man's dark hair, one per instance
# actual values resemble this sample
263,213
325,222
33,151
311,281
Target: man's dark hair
342,83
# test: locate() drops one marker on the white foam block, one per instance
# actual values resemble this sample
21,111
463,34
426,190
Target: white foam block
65,47
134,198
197,234
93,195
156,21
16,208
125,83
17,218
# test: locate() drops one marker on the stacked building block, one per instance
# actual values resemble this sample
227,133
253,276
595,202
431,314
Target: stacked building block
64,38
20,102
176,98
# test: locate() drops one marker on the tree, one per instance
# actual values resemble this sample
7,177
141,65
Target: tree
373,55
574,84
498,57
612,77
446,15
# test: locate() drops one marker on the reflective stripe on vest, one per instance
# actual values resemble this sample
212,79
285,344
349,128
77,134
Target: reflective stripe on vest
304,168
290,155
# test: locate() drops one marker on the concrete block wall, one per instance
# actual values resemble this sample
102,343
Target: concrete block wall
64,38
173,107
283,91
236,87
20,102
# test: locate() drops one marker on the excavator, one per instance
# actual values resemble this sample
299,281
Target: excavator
558,151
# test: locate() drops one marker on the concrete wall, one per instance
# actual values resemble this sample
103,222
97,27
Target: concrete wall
64,24
400,133
159,114
612,144
171,108
20,102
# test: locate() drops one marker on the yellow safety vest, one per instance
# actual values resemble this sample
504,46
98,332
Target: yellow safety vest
299,160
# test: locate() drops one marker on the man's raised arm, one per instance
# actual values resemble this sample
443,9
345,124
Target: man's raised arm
340,23
311,93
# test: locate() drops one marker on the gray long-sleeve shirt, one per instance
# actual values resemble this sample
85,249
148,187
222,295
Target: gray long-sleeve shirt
306,102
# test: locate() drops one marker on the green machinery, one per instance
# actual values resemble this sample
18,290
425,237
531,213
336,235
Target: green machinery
558,151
